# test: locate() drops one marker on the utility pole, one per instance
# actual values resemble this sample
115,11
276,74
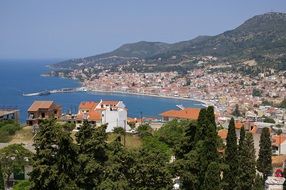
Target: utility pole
124,134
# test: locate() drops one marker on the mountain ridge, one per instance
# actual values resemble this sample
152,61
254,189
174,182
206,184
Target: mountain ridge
262,37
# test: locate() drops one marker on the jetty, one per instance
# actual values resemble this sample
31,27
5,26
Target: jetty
62,90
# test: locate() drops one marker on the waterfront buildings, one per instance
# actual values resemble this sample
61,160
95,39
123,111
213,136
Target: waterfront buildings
40,110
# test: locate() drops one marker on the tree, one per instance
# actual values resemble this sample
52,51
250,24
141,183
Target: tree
236,111
92,156
172,132
14,158
55,161
241,139
231,158
258,183
264,161
247,164
212,177
2,184
150,171
117,172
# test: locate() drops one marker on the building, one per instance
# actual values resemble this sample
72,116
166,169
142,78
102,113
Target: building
274,183
9,114
112,113
279,144
182,114
41,110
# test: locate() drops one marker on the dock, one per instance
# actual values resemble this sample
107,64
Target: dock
62,90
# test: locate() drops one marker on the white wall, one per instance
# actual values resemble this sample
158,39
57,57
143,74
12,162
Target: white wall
115,118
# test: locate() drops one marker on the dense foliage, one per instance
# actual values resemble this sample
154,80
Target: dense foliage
8,128
185,150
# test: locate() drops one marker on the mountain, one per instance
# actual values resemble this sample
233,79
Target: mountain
261,38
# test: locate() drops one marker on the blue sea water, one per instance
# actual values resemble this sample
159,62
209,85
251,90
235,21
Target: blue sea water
24,76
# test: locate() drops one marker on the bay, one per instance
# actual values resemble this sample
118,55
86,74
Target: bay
24,76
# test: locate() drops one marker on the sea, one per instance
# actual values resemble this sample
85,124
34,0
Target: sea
24,76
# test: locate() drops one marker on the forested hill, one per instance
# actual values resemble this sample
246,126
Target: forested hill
261,38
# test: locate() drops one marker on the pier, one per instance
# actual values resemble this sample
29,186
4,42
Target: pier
62,90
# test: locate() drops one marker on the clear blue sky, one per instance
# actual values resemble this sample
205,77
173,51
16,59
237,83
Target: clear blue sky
76,28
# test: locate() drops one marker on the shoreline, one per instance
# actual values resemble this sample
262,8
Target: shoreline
200,102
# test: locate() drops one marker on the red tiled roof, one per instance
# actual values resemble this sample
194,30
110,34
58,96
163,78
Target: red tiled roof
278,139
40,105
87,105
187,113
222,133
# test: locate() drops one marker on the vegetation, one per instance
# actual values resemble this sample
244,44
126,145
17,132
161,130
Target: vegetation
8,129
236,111
256,92
22,185
97,160
14,158
231,158
268,119
2,184
264,161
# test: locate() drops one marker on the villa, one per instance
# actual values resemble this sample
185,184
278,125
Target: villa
112,113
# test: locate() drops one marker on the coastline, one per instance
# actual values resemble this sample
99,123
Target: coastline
201,102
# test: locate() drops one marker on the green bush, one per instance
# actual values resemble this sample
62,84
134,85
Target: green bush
22,185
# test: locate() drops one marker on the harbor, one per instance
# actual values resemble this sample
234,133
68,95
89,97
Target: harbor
62,90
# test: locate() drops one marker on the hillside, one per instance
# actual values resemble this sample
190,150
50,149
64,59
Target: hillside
261,38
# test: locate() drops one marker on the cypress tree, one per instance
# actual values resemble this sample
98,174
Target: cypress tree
2,185
212,177
264,161
247,164
241,138
231,158
200,132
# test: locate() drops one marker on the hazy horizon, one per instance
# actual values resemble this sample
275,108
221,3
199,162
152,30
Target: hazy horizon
69,29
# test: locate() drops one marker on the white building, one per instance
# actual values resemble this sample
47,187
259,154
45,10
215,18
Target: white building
112,113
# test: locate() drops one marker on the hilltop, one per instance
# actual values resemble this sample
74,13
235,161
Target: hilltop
262,39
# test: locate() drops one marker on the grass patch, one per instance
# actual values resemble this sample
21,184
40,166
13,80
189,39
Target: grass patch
132,141
7,130
24,135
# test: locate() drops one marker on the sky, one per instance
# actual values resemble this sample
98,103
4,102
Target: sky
64,29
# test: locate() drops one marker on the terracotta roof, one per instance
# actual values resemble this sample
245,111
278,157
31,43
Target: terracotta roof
187,113
278,139
222,133
40,105
238,124
91,116
87,105
277,161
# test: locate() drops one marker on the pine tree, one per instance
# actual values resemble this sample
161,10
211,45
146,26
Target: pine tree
247,163
55,161
117,172
231,158
264,161
150,171
2,185
212,177
92,156
187,143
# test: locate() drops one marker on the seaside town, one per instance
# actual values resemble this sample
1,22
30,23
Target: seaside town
143,95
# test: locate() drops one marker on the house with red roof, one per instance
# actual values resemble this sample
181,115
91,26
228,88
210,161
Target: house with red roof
41,110
182,114
112,113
